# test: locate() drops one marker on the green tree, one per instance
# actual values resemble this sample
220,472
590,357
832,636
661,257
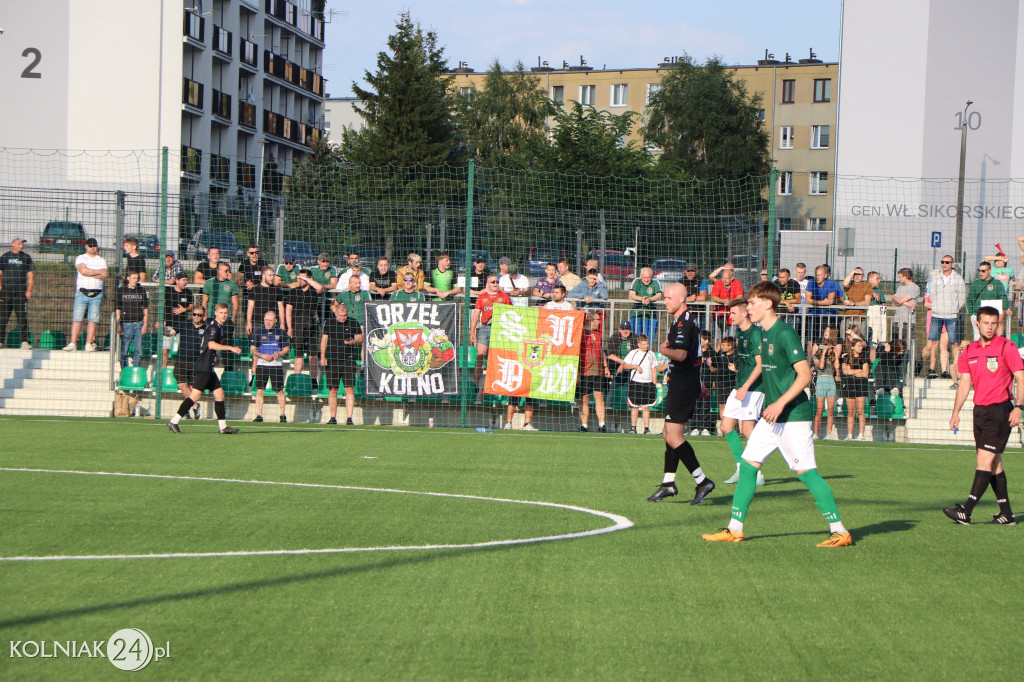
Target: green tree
706,123
505,123
591,142
409,111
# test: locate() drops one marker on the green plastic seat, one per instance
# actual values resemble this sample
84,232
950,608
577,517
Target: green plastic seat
360,388
897,411
234,383
884,407
52,340
243,343
467,356
299,386
168,384
1018,340
323,391
14,338
133,379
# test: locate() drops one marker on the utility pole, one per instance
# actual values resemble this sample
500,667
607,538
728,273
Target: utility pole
960,186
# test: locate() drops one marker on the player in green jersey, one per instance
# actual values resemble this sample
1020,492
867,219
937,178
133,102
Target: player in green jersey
785,422
743,405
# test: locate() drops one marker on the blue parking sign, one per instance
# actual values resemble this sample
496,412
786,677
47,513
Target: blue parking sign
936,240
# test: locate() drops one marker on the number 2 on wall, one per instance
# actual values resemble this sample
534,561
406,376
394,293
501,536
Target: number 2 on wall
38,57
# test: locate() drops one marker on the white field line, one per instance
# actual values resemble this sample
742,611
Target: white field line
619,522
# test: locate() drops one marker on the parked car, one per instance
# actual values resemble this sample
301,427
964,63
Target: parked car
459,260
300,253
204,240
538,256
617,266
668,270
62,236
149,244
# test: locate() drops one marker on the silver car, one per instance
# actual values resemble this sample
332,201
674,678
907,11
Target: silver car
668,270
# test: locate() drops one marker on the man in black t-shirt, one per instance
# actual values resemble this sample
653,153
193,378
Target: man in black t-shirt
178,302
17,276
249,274
682,350
135,262
208,270
190,341
302,321
791,298
383,280
263,297
340,346
132,312
204,377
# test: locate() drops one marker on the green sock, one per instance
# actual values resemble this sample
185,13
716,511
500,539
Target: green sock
745,488
733,439
823,497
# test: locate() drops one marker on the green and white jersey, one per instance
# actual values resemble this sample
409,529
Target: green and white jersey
323,277
405,297
780,350
287,276
641,289
748,346
442,281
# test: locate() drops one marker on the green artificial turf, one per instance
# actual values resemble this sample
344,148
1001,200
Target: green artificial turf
916,597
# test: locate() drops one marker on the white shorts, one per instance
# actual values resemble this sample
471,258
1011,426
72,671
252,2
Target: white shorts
792,439
747,411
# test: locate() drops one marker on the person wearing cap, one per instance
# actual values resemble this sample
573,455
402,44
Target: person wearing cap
617,347
287,274
413,268
92,270
354,268
517,286
171,269
17,275
645,291
324,273
178,305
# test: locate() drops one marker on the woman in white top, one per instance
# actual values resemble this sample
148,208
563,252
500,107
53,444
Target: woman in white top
642,393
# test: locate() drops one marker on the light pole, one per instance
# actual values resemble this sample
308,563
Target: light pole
957,254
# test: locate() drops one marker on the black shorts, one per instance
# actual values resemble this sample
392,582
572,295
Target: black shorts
306,340
589,384
992,426
641,395
345,372
679,407
184,371
273,374
206,381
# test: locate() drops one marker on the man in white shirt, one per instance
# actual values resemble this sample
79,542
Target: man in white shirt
354,268
517,286
558,302
92,270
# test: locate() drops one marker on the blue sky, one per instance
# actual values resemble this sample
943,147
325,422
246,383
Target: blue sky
613,34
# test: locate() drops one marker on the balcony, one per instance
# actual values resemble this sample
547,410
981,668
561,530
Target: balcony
248,53
220,169
191,161
222,41
245,175
192,95
195,29
288,13
222,105
300,134
301,78
247,115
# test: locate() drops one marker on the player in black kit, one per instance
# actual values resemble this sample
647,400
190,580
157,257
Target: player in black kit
205,378
682,349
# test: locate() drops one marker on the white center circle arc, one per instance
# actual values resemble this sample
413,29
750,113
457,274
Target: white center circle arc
619,522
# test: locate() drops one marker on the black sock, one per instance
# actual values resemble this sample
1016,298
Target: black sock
671,461
981,481
185,406
999,488
219,409
687,456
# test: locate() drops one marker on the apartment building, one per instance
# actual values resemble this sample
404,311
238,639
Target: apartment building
799,112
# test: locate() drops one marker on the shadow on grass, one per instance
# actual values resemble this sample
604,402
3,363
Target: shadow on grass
426,556
881,528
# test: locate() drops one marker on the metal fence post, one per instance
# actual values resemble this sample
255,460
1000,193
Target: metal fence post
158,325
468,310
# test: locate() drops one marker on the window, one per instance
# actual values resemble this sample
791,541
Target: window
784,223
785,183
817,224
788,91
785,137
620,91
760,115
652,89
469,92
819,183
822,89
819,137
587,94
558,94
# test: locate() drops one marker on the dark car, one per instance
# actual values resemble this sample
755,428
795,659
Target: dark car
149,244
459,260
617,266
538,256
203,241
61,236
300,253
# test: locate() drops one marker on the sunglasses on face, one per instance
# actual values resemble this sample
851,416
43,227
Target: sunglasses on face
254,253
947,262
408,279
197,314
982,269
